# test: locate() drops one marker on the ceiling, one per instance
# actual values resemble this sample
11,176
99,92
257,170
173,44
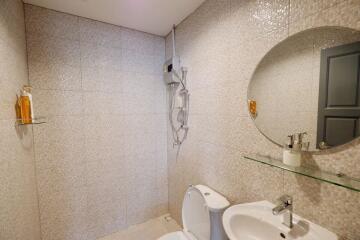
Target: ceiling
151,16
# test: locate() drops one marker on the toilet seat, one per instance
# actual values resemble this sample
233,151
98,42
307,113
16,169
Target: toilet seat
176,236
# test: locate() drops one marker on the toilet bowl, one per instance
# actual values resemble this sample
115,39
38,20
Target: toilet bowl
202,212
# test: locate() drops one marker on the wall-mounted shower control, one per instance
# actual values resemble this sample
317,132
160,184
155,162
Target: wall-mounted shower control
171,69
175,77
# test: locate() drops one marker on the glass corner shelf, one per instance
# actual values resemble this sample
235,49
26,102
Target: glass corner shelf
34,121
332,178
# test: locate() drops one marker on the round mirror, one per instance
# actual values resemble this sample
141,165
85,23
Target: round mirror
309,83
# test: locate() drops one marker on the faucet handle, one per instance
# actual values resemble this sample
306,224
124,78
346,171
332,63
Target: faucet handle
301,136
306,146
286,199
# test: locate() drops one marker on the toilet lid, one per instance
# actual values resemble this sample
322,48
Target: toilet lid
195,214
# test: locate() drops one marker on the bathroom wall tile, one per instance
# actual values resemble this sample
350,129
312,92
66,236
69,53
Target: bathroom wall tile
19,212
104,139
6,222
162,195
12,27
140,83
141,63
142,205
199,173
20,224
312,197
326,39
64,146
54,76
160,138
148,142
339,160
19,209
345,14
218,101
94,55
146,122
259,17
61,179
102,79
107,200
156,66
209,160
13,78
112,168
168,47
67,227
176,168
12,73
102,123
211,13
107,172
257,49
265,182
142,170
139,139
301,9
60,204
134,104
64,214
349,14
100,33
210,132
42,21
50,103
107,188
138,42
53,50
159,46
103,103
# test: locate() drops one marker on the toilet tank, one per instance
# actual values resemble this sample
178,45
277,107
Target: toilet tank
202,213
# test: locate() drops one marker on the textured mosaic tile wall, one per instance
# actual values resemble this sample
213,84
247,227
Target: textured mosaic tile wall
101,158
221,43
19,218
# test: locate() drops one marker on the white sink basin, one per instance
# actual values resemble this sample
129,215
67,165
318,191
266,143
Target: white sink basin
255,221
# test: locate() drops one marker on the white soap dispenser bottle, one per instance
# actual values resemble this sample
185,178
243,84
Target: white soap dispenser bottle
292,152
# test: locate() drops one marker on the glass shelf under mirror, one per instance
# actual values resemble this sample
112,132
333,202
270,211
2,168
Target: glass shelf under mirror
35,121
332,178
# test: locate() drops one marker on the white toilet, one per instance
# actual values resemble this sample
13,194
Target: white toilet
202,212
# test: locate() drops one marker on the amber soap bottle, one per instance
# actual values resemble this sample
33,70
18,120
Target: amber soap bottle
25,105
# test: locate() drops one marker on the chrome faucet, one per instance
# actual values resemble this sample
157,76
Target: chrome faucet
285,207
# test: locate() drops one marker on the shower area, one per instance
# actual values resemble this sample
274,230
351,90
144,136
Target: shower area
97,163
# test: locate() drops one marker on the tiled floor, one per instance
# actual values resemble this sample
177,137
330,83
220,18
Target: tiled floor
150,230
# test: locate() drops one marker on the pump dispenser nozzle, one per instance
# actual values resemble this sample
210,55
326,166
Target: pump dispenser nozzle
290,143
